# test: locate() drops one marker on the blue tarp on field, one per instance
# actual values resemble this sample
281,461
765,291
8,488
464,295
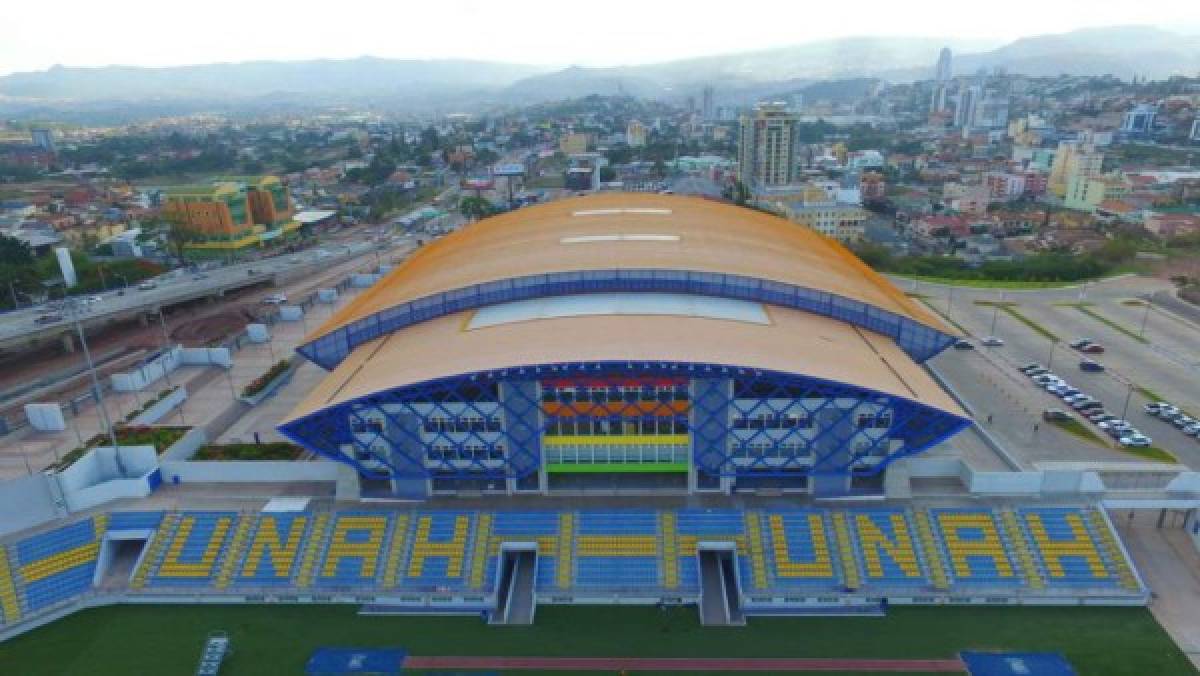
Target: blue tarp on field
1017,664
333,661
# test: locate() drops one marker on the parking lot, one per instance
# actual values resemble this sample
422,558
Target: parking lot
1166,365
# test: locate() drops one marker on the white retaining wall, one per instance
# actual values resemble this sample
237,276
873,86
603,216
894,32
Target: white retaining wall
290,313
160,409
149,372
46,417
26,502
94,479
248,471
206,356
187,446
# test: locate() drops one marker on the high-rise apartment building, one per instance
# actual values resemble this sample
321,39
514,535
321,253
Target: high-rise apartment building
706,103
635,134
766,146
944,65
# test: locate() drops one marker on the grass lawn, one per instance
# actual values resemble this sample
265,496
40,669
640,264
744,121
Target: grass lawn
279,639
1078,429
1010,308
1083,307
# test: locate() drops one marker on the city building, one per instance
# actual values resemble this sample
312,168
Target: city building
872,186
707,110
1004,185
635,134
231,214
1086,193
573,144
945,68
820,210
766,146
1195,135
44,139
1140,120
639,342
1171,223
967,199
1073,158
965,104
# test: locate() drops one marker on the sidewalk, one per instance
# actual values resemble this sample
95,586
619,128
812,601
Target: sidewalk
210,392
1170,566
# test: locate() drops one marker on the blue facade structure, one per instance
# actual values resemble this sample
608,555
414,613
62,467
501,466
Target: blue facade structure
918,340
739,423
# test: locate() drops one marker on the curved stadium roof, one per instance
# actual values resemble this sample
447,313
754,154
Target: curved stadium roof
616,242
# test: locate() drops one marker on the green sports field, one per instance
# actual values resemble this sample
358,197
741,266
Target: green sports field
278,639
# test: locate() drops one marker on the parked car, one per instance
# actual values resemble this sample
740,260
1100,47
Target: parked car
1029,367
1183,421
275,299
1053,414
1092,348
1136,440
993,341
1101,416
962,344
1192,430
48,319
1039,371
1091,366
147,285
1079,344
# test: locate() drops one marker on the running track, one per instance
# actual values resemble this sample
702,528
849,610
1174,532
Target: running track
615,664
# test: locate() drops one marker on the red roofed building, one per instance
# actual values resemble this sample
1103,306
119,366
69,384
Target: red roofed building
1172,224
941,226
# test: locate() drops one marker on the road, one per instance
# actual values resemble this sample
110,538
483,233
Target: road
1168,364
180,285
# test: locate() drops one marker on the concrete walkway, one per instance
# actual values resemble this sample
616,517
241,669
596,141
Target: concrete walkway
1170,566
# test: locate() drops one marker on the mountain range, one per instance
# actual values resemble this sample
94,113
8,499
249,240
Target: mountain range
1122,51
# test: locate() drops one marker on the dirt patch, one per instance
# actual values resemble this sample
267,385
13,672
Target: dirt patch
213,327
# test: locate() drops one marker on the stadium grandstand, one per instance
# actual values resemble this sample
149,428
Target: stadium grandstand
640,342
778,559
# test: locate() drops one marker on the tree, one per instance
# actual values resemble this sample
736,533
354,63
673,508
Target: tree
14,251
178,232
475,208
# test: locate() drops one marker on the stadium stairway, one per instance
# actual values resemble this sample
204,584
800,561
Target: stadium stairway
1014,536
1102,533
316,545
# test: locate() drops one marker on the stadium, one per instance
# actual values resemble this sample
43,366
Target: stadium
621,399
728,351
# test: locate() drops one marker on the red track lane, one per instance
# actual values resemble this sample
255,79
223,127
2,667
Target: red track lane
614,664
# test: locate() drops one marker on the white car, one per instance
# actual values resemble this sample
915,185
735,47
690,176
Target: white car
993,341
1136,440
275,299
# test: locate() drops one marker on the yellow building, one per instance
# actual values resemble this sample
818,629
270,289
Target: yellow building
1073,159
635,134
231,214
1085,193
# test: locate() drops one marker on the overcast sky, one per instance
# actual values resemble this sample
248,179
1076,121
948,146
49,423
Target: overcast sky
37,35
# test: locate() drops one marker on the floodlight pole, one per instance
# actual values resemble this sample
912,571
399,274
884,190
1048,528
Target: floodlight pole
87,355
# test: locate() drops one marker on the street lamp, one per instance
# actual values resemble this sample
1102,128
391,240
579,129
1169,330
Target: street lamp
1145,316
1050,361
75,311
995,312
1125,408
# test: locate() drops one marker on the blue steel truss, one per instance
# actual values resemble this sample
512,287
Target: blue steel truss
720,394
918,340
